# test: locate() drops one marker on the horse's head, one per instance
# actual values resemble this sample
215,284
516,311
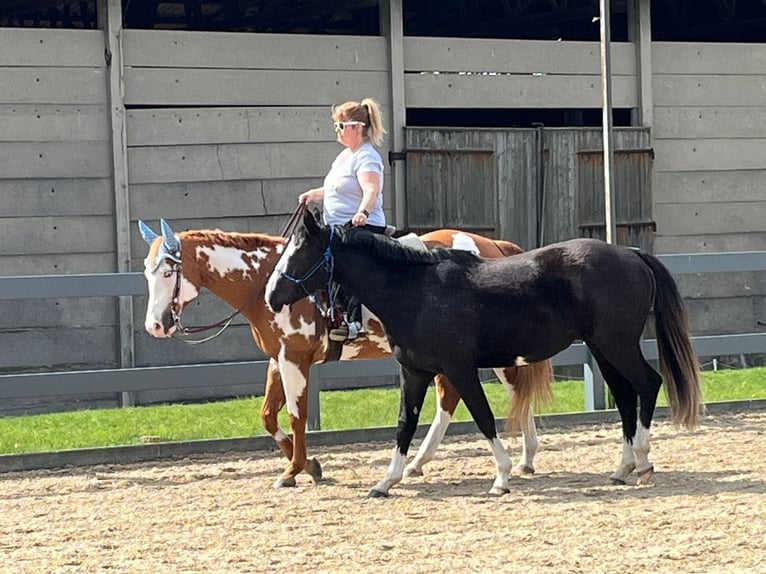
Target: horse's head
305,265
169,290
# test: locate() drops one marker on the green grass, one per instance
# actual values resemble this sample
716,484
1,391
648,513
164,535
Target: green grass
339,410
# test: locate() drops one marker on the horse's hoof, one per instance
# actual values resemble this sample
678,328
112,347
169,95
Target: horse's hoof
314,469
522,470
498,491
617,481
377,494
645,477
412,471
285,482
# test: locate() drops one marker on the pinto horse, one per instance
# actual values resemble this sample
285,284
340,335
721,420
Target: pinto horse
448,311
236,266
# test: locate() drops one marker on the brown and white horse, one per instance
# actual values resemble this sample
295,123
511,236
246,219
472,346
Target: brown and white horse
236,267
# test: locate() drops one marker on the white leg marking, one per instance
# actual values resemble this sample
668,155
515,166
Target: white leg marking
432,441
293,382
526,464
627,465
280,435
641,448
503,462
393,474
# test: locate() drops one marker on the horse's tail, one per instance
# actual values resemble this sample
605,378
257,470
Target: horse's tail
678,362
531,385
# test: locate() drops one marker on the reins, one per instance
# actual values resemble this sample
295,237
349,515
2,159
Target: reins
225,322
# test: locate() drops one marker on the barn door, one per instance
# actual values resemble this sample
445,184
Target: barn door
451,181
633,197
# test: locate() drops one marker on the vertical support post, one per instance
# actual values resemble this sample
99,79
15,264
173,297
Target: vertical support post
640,34
595,395
392,26
540,183
110,21
606,108
314,421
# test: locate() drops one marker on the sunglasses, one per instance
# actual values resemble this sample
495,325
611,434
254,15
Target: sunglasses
340,126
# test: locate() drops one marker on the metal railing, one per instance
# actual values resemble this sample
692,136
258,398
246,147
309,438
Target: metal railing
69,383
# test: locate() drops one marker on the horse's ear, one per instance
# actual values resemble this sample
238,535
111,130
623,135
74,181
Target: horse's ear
147,233
169,237
310,221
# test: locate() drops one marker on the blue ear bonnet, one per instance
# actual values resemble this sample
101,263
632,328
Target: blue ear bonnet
170,248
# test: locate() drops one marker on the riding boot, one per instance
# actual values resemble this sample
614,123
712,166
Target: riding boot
352,327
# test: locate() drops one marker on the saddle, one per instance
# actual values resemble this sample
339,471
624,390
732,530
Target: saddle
335,348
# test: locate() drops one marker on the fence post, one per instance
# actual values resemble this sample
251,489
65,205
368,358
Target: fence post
315,383
595,398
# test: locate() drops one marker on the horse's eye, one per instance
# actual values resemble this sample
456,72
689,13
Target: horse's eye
167,273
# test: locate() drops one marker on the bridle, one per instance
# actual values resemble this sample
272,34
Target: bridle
175,310
175,313
327,262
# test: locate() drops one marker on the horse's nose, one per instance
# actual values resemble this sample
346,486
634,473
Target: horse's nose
159,329
155,329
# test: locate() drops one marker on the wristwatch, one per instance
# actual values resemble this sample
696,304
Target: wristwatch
366,213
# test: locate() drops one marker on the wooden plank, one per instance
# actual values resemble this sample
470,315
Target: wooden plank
110,21
699,90
640,34
51,47
708,186
704,242
53,123
517,186
248,198
723,285
709,154
26,85
57,313
226,87
187,49
708,58
229,125
732,315
54,160
48,235
513,91
229,162
53,197
706,122
392,27
513,56
52,264
60,349
710,218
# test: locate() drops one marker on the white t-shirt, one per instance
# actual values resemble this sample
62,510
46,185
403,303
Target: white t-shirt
342,192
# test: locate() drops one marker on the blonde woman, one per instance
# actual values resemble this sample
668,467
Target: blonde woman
352,192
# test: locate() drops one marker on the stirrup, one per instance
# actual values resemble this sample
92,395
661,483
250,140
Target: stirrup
346,332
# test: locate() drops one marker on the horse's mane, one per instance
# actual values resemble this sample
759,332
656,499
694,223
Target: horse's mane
243,241
387,249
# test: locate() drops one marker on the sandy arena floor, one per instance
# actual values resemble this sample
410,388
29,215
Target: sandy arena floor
705,512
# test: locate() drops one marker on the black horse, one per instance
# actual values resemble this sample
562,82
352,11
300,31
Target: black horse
452,312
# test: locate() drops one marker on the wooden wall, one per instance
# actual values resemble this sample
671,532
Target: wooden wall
225,130
513,74
710,172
